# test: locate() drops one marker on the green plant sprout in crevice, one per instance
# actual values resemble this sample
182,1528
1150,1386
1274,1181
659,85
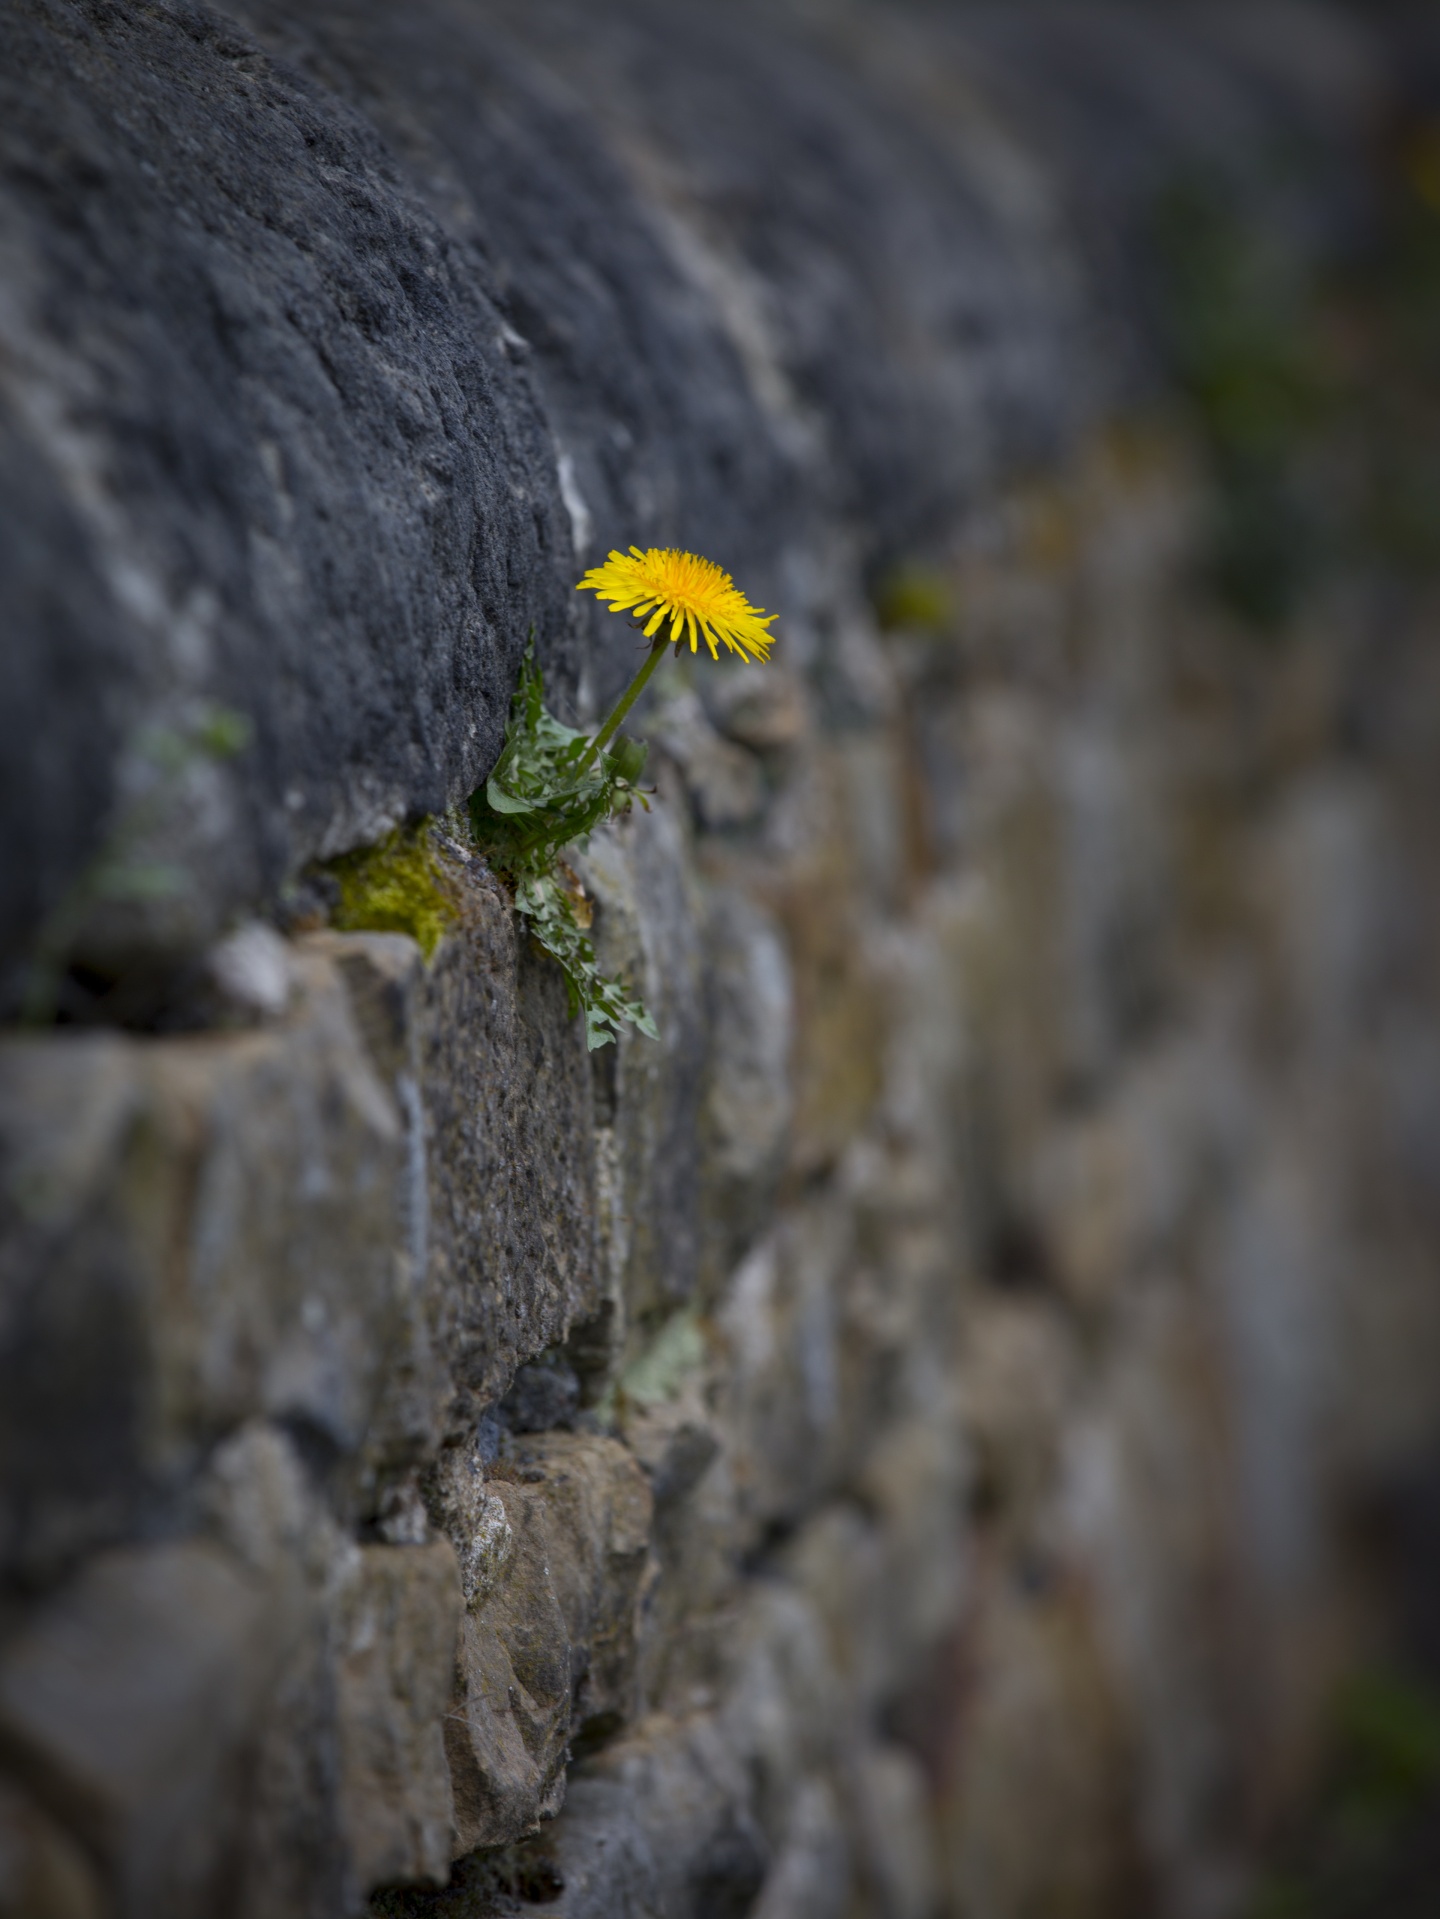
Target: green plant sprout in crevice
547,792
552,786
1241,319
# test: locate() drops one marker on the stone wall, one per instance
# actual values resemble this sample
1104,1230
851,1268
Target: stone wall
927,1436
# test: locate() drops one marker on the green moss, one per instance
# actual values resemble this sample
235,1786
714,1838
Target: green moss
917,598
398,886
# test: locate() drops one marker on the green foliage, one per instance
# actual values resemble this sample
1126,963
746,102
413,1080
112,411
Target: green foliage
1242,331
1316,387
1390,1733
552,906
549,790
1361,1850
398,886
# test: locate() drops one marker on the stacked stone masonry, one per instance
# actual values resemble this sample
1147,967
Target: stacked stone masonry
898,1445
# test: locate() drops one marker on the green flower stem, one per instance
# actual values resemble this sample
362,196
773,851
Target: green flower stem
632,693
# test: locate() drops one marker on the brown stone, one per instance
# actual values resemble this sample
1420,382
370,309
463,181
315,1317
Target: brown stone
396,1627
553,1648
43,1873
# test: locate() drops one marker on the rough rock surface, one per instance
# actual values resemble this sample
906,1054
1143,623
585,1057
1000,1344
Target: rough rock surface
919,1439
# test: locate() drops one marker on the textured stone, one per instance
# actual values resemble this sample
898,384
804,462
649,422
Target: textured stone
1017,1388
258,1499
648,932
341,517
397,1623
724,782
812,1872
660,1821
130,1704
838,1000
897,1851
662,430
511,1155
1145,1501
1043,1732
781,1323
196,1231
473,1517
748,1099
781,169
552,1648
491,1074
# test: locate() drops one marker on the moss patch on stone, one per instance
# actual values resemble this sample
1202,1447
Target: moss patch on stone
399,886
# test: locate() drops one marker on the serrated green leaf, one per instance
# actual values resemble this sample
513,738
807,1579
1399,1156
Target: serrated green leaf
542,797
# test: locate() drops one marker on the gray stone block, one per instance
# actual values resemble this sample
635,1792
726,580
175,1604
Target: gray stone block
130,1703
397,1616
492,1075
283,418
196,1232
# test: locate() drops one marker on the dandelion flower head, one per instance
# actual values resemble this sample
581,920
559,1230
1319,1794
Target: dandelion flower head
695,595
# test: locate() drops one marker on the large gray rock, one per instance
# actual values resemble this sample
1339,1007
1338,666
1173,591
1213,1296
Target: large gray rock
271,407
196,1232
132,1705
551,1648
399,1612
491,1074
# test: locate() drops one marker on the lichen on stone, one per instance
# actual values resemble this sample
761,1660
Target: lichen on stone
678,1350
399,886
474,1520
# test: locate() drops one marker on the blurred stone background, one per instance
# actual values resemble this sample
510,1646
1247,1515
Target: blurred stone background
954,1428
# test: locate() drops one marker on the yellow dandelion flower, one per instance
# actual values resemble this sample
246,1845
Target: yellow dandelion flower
695,595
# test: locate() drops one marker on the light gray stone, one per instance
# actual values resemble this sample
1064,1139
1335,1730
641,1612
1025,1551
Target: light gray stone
131,1700
396,1620
197,1231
